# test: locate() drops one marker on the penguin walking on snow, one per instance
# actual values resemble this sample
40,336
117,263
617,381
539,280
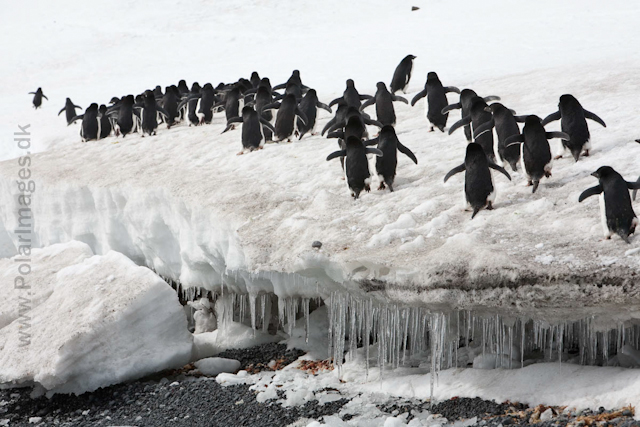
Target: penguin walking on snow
388,144
37,98
286,123
356,165
574,123
384,99
69,110
536,153
478,116
402,74
104,122
479,191
149,114
467,97
616,210
436,100
351,96
309,106
252,129
506,125
89,128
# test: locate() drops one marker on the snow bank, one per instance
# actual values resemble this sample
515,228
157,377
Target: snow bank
94,321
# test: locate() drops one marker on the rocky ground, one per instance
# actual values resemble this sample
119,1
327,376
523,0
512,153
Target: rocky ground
182,398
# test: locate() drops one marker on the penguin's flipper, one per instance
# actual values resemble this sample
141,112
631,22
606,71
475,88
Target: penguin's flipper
32,93
370,142
590,192
633,185
633,194
335,101
250,91
328,126
407,152
499,169
335,154
450,107
162,111
280,86
323,106
267,124
399,98
63,108
491,98
454,171
451,89
514,140
272,106
302,116
79,117
367,103
363,97
45,96
462,122
562,135
485,127
77,106
551,118
520,119
371,150
418,96
278,96
234,120
595,118
372,122
512,111
336,134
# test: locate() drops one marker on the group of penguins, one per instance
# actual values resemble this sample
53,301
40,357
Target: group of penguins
297,108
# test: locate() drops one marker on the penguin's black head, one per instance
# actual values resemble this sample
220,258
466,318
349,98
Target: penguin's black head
477,103
475,149
410,57
431,75
467,93
93,106
312,93
208,86
195,87
255,76
102,109
603,172
354,140
381,86
247,110
493,108
567,100
532,120
350,83
353,111
265,82
296,73
182,83
387,129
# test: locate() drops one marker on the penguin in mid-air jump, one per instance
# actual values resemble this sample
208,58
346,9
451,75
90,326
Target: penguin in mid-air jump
479,191
536,153
436,100
387,142
356,164
37,98
402,75
616,210
574,123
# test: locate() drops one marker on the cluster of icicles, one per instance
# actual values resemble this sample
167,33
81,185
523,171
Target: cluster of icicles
400,333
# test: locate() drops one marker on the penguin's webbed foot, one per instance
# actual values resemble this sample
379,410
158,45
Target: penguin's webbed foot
529,183
586,153
381,186
367,188
489,206
547,173
559,156
431,129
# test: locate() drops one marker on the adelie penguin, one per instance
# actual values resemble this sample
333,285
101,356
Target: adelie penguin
37,98
467,96
252,129
436,101
385,113
574,123
149,114
89,129
286,123
479,191
402,74
309,106
388,144
170,101
127,120
294,79
104,122
351,96
616,211
70,110
356,165
506,125
536,153
353,125
477,117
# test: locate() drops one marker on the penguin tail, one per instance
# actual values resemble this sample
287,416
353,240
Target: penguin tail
535,185
475,211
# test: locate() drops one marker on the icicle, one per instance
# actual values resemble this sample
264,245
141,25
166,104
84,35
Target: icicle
305,302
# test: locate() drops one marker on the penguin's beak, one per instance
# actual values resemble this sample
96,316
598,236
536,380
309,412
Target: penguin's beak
595,174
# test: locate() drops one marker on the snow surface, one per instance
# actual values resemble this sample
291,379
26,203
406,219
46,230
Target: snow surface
212,366
95,321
